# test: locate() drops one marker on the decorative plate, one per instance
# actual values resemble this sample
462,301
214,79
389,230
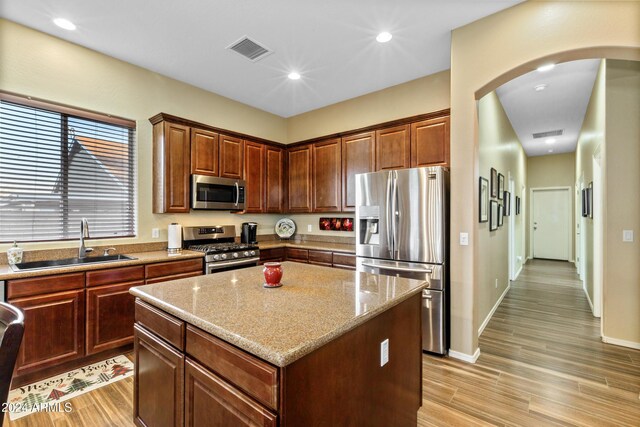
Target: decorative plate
285,228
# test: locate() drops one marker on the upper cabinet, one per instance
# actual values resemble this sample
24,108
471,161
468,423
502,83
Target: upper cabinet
254,173
299,178
204,152
393,148
430,142
327,176
358,156
171,167
274,180
231,157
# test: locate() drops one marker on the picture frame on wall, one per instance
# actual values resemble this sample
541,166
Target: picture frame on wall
517,205
590,200
494,183
483,200
500,215
500,186
493,215
507,203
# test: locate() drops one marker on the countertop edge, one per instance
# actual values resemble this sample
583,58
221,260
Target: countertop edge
283,359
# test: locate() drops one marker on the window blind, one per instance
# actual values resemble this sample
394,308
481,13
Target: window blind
57,167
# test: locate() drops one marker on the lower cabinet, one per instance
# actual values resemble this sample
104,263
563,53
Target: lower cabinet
342,260
210,400
297,255
272,255
158,393
173,270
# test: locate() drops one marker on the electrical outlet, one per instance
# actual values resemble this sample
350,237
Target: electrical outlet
627,235
384,352
496,283
309,227
155,233
464,239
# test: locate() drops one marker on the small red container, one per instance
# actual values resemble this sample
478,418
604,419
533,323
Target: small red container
272,274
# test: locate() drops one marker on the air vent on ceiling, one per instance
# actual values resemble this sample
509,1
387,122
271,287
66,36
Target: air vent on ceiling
548,134
250,49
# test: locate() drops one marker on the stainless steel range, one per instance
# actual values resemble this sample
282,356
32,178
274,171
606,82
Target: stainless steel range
219,245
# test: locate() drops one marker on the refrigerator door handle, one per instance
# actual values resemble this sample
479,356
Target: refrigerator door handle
389,213
394,212
398,268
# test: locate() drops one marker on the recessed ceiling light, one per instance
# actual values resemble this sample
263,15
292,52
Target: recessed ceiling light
540,87
64,23
294,76
384,37
545,68
550,141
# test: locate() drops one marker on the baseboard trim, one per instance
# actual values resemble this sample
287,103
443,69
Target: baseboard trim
493,310
584,288
622,343
469,358
518,272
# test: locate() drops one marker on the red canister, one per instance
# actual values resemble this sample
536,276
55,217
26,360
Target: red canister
272,274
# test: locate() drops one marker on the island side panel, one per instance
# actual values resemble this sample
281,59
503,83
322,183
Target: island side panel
342,383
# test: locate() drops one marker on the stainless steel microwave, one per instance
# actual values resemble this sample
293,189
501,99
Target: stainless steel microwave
214,193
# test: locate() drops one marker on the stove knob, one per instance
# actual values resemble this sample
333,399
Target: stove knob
235,254
216,257
253,253
246,253
223,256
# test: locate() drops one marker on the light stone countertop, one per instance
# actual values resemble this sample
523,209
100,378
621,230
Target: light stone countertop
6,273
320,246
315,305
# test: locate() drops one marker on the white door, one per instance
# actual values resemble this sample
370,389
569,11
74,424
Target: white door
551,223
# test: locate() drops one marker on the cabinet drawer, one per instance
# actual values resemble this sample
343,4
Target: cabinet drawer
344,260
172,268
174,277
19,288
115,275
267,254
300,255
161,324
252,375
321,258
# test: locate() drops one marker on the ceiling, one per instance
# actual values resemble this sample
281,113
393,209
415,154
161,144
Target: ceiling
561,105
331,43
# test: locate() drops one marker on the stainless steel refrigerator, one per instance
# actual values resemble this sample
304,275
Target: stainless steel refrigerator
402,229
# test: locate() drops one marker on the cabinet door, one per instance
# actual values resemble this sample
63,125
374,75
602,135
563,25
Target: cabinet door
430,142
393,148
204,152
53,330
110,316
158,394
358,156
274,181
327,176
254,176
231,157
299,179
177,156
211,401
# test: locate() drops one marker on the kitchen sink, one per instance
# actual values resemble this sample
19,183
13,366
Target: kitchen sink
37,265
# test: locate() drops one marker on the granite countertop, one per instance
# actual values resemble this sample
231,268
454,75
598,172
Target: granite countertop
320,246
6,273
314,306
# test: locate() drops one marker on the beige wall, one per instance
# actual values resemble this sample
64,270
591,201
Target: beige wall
556,170
499,148
423,95
38,65
621,309
491,51
591,141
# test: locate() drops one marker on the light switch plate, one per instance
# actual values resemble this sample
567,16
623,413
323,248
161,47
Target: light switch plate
627,235
464,239
309,227
384,352
155,233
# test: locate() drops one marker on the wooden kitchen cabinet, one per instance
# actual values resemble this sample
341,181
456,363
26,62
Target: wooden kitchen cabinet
430,142
358,156
393,148
110,308
327,176
231,157
321,258
53,329
299,178
272,255
274,180
173,270
204,152
171,167
297,255
254,173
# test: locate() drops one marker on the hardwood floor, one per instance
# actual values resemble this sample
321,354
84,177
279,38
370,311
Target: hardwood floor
541,363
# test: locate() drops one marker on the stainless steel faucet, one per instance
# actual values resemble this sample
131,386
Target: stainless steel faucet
84,234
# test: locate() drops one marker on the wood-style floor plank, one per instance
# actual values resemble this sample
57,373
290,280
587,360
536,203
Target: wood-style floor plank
542,363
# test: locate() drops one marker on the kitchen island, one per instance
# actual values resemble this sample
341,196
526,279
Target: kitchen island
222,350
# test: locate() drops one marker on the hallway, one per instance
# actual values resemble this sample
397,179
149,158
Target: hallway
541,363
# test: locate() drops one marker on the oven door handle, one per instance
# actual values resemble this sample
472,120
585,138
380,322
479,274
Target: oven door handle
222,264
237,193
